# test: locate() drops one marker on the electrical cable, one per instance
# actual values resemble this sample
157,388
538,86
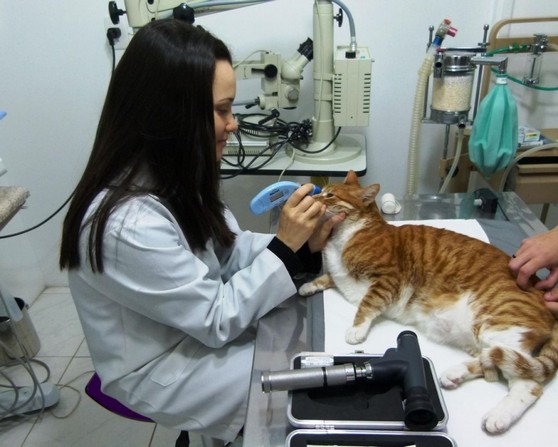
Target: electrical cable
291,161
323,148
40,223
110,37
112,34
14,408
287,134
67,385
15,388
113,57
25,362
241,156
261,129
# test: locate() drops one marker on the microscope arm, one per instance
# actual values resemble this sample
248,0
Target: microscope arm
141,12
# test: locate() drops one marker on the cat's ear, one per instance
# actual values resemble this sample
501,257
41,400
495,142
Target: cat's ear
351,178
370,193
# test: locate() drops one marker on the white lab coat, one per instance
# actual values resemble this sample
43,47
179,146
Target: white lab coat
171,331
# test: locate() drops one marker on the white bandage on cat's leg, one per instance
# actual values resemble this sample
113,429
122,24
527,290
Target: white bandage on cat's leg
523,394
453,377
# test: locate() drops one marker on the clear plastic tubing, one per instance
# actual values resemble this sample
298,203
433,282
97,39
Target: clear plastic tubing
416,123
418,105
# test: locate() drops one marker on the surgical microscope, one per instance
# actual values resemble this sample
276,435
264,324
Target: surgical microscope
341,76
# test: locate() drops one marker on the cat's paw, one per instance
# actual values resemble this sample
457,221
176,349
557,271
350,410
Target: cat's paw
523,394
497,421
356,335
453,377
308,289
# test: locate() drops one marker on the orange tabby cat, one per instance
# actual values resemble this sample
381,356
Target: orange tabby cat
452,287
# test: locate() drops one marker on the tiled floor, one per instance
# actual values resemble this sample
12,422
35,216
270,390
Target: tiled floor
76,420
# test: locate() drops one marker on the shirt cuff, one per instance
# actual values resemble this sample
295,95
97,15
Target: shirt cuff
286,255
312,262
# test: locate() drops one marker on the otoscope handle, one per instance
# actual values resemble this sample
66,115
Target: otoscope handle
408,347
274,195
419,411
308,378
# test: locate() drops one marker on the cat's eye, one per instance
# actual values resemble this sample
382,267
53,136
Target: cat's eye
329,195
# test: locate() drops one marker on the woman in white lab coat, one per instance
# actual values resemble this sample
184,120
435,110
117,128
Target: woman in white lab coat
167,287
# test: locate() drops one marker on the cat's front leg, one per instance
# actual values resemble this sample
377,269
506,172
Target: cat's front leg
522,394
357,334
362,323
317,285
456,375
374,302
376,299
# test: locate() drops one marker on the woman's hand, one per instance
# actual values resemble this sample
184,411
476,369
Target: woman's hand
551,301
535,253
321,234
299,218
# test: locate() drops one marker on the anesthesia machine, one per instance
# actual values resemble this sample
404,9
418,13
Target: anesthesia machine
450,72
453,72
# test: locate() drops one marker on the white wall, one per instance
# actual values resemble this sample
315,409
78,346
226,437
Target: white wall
55,68
56,65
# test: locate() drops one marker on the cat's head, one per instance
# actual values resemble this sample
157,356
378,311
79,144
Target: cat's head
349,197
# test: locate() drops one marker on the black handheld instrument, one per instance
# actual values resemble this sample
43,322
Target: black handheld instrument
398,366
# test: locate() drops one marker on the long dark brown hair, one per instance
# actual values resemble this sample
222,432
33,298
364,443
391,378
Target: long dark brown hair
158,117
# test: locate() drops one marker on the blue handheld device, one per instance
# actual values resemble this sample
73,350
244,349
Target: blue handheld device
275,195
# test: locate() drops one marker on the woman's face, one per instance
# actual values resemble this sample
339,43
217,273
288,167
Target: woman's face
224,91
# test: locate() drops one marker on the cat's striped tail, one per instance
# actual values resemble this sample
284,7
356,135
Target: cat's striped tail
548,356
540,368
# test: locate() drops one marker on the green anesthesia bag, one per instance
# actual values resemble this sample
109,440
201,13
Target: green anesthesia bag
493,141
